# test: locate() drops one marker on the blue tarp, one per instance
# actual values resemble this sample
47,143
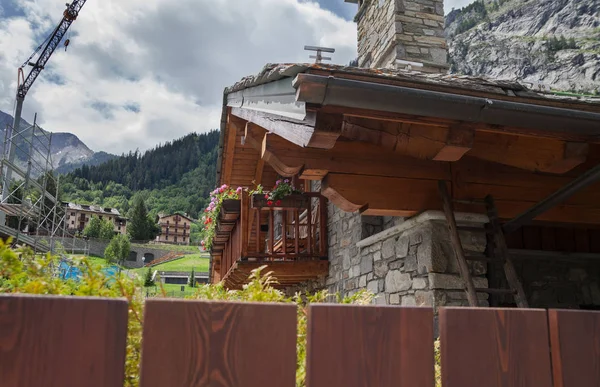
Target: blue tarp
69,271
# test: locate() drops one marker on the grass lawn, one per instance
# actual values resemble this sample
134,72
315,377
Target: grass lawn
172,290
198,262
177,248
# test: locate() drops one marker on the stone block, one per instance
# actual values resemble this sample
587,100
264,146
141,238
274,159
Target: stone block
453,281
410,264
396,264
402,246
381,300
388,248
381,284
346,262
381,269
362,282
377,256
431,255
354,271
394,299
375,247
366,265
408,301
350,284
396,281
419,283
423,298
373,287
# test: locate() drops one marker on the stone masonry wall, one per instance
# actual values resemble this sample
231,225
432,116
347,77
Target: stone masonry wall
411,30
413,267
376,33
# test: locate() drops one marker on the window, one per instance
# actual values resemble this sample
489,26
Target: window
72,214
175,238
72,222
184,240
167,238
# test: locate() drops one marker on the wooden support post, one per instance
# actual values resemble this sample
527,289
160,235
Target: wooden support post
463,267
297,231
244,223
501,252
271,232
309,228
284,231
258,231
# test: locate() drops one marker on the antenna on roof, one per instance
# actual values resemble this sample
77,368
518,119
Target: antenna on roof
320,50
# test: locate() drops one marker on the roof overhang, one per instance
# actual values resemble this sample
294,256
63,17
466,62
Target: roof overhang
333,91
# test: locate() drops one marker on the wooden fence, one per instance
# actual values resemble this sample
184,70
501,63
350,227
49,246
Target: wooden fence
62,342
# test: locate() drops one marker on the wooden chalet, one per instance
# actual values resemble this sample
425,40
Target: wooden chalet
380,141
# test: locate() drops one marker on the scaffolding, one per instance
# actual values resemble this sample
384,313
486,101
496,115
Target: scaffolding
30,211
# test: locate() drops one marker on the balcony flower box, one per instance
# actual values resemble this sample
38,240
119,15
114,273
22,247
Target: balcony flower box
290,201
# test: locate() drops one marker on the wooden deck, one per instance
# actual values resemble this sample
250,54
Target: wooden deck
292,241
287,273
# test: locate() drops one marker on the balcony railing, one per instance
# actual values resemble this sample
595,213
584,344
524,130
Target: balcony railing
250,233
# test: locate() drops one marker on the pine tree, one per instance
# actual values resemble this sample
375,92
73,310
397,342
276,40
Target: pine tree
148,281
193,279
138,226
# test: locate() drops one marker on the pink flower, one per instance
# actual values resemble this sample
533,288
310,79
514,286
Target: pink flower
266,196
238,190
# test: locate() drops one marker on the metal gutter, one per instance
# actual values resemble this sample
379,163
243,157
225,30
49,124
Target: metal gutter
323,90
277,98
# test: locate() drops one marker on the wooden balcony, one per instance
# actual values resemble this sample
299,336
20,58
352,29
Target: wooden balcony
291,239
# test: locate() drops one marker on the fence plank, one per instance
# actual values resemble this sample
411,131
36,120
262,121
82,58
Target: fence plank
369,346
190,343
575,343
61,342
494,348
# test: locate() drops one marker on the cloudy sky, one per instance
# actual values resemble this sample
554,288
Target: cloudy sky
140,72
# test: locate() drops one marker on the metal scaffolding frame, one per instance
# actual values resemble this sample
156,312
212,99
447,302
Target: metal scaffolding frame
29,212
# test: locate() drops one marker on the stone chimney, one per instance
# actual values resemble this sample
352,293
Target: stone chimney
401,34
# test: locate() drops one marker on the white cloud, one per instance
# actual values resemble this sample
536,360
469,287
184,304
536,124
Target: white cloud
168,60
455,4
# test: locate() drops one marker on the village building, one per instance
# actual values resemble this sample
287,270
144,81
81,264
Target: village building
426,188
174,229
79,215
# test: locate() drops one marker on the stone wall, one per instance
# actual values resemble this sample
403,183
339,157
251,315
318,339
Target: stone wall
411,263
409,30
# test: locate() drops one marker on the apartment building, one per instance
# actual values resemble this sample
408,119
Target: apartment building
175,229
79,215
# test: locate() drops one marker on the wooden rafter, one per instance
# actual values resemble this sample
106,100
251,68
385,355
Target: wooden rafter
233,125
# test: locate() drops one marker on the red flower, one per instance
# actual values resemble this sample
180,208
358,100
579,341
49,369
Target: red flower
278,202
266,196
270,203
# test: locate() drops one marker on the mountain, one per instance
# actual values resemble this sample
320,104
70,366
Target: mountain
174,177
67,151
548,44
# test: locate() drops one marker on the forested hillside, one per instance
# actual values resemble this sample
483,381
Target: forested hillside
175,177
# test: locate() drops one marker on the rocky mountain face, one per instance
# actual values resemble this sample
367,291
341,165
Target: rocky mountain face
67,150
546,44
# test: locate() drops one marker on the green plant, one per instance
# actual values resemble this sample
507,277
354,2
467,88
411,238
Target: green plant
192,281
282,189
212,211
148,281
118,249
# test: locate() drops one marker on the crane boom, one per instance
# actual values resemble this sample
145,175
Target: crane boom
54,40
49,46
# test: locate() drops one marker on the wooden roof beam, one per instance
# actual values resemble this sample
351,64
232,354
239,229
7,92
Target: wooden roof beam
458,142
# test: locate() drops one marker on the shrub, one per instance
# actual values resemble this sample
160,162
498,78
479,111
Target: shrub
148,281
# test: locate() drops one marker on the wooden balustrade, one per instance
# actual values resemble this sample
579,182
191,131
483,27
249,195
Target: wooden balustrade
70,341
258,234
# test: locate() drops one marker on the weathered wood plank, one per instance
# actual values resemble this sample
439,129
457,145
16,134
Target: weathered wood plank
355,346
59,341
189,343
575,344
494,348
